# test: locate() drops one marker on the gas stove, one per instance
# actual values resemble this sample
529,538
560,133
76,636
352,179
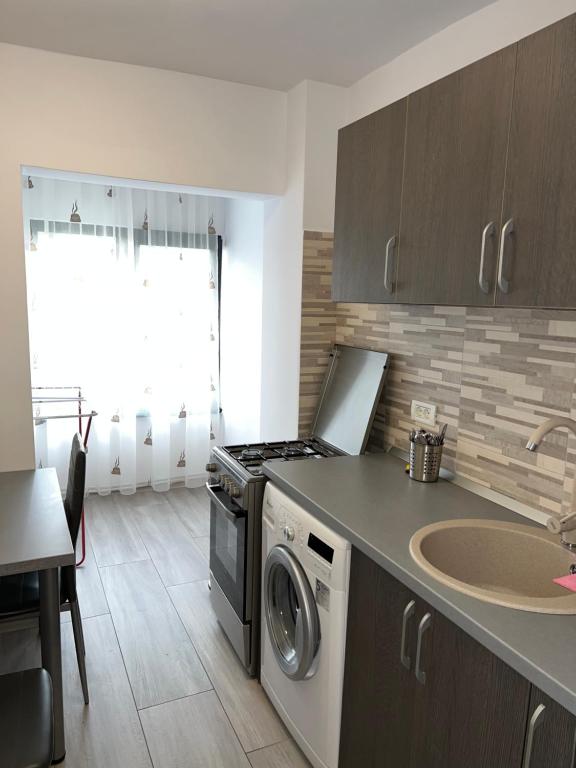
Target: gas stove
236,491
252,455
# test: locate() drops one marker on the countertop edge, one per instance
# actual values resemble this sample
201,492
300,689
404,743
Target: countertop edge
549,685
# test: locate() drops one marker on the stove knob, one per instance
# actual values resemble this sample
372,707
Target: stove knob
235,491
211,467
225,483
288,533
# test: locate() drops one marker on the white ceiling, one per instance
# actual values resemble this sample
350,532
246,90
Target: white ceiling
271,43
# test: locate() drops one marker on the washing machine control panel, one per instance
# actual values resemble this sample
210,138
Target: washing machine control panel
314,551
318,549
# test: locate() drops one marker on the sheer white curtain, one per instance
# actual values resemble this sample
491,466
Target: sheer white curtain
124,304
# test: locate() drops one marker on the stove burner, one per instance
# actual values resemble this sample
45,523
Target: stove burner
251,453
290,452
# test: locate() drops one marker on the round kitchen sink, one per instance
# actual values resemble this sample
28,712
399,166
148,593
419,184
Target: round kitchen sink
503,563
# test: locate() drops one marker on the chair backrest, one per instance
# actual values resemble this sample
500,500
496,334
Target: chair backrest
73,503
74,500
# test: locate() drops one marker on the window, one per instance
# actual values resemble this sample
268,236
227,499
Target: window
136,326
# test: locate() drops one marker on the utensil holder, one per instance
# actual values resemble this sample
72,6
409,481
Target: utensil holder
425,462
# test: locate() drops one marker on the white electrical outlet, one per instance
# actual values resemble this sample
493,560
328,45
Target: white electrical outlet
423,413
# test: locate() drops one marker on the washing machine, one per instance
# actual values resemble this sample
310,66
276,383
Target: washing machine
305,577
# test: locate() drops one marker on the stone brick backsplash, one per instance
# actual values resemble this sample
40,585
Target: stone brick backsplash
318,323
494,373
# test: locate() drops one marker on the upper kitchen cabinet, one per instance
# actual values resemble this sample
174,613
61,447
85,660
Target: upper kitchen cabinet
539,245
368,193
456,141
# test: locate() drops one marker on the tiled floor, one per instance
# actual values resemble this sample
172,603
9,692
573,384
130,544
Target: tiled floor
166,688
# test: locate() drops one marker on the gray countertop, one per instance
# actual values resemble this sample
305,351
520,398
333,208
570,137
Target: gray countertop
371,501
34,532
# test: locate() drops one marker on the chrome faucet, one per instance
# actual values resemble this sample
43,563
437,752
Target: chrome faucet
565,526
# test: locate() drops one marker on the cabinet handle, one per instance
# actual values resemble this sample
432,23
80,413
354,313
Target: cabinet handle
507,230
487,232
424,625
535,721
390,245
408,613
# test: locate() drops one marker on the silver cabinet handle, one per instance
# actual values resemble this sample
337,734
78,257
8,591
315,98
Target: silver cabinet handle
390,245
507,230
487,232
425,624
535,721
408,613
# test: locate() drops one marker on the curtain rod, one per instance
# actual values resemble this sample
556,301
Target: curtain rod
40,224
72,386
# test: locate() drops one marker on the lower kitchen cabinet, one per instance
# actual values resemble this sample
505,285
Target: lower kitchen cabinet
421,693
378,688
471,710
550,734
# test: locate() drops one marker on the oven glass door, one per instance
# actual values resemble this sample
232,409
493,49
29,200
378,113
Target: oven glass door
228,547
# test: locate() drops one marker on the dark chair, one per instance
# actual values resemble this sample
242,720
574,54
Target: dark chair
26,720
20,593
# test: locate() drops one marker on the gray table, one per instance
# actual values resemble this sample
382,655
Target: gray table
34,536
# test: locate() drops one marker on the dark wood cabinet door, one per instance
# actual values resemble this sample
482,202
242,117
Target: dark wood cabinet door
540,195
377,704
456,141
554,733
367,217
471,711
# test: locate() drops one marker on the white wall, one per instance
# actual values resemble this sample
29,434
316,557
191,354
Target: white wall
282,284
490,29
78,114
314,112
326,111
241,321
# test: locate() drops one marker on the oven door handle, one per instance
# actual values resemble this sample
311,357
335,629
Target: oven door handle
233,514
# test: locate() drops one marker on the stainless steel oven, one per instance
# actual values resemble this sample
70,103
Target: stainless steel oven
228,546
235,540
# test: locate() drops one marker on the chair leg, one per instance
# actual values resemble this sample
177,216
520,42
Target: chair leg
80,648
77,625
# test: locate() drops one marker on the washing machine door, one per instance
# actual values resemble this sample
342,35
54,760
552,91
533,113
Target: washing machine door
291,614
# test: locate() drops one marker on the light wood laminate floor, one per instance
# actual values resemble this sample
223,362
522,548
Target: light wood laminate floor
166,688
